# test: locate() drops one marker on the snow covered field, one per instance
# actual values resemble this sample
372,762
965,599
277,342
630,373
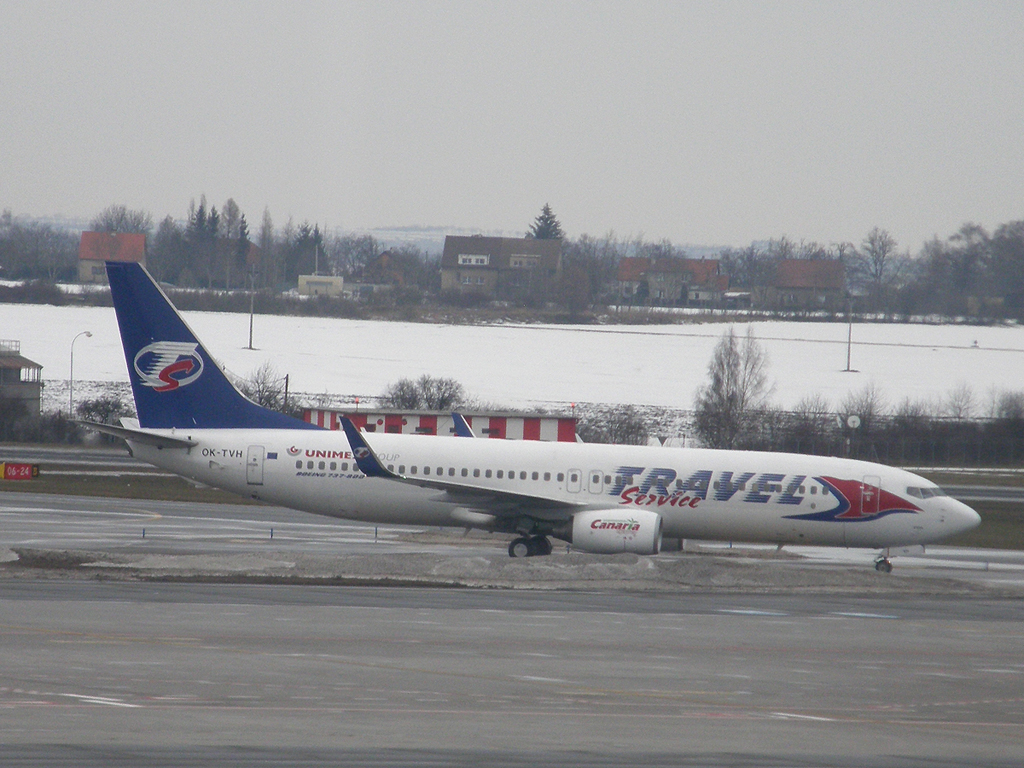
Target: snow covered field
534,366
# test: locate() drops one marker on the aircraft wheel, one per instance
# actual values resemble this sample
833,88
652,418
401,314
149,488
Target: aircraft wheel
883,566
520,547
541,545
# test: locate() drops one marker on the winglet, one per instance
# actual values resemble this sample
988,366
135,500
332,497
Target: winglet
366,459
462,428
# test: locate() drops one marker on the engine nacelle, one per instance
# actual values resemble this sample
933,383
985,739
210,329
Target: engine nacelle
608,531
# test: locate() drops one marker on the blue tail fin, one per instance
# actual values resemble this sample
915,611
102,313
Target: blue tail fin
175,381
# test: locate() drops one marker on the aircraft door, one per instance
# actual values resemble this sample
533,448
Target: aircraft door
254,465
574,481
870,490
595,481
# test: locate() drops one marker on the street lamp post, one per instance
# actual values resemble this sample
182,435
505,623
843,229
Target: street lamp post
71,375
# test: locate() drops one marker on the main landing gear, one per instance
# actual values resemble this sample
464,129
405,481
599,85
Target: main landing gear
529,546
882,565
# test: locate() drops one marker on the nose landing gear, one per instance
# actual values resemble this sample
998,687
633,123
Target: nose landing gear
882,565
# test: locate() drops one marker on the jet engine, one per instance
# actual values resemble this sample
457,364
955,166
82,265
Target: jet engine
607,531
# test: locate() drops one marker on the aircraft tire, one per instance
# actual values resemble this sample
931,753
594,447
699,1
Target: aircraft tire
541,545
521,547
883,566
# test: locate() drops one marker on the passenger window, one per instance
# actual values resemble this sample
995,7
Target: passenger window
334,465
801,489
500,474
717,485
476,473
440,470
487,473
511,474
298,464
560,476
344,466
426,470
391,467
547,477
451,471
309,465
412,470
465,472
535,475
401,469
607,479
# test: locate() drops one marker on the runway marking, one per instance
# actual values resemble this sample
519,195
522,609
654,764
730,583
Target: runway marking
106,700
854,615
751,612
795,716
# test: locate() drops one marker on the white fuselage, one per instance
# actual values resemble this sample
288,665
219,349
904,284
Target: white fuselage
700,494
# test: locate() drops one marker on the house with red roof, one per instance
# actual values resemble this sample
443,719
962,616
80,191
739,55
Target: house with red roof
671,281
98,247
804,284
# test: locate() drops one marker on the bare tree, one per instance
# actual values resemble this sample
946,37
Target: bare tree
119,218
959,402
616,425
867,404
737,391
264,386
230,215
440,394
427,392
879,266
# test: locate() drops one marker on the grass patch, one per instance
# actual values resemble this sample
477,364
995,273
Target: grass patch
156,488
1002,527
1004,478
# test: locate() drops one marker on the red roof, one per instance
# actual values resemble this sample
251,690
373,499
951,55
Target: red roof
823,274
116,246
633,268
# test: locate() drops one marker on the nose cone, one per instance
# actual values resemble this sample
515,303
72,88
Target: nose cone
961,517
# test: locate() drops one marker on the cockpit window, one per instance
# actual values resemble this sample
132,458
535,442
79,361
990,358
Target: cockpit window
925,493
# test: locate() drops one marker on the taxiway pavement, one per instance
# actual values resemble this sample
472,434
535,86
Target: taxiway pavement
806,663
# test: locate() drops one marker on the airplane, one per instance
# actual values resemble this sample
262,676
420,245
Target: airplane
599,498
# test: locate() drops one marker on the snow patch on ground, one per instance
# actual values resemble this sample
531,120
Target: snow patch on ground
539,366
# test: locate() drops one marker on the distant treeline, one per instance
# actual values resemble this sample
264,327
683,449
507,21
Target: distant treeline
972,273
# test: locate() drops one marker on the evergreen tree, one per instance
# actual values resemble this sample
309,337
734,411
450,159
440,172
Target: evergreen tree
242,241
546,226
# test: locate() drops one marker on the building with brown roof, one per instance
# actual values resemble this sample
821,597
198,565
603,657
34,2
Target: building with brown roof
20,378
98,247
804,284
671,281
499,267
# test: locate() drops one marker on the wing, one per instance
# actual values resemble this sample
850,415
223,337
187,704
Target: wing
492,501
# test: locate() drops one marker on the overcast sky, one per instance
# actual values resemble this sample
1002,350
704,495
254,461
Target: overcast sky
708,123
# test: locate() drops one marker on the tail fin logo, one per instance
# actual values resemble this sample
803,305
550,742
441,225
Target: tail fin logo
167,365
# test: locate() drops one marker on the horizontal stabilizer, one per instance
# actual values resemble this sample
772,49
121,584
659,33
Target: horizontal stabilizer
138,436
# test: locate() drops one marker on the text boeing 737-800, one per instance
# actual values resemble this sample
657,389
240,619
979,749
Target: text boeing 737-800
601,498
